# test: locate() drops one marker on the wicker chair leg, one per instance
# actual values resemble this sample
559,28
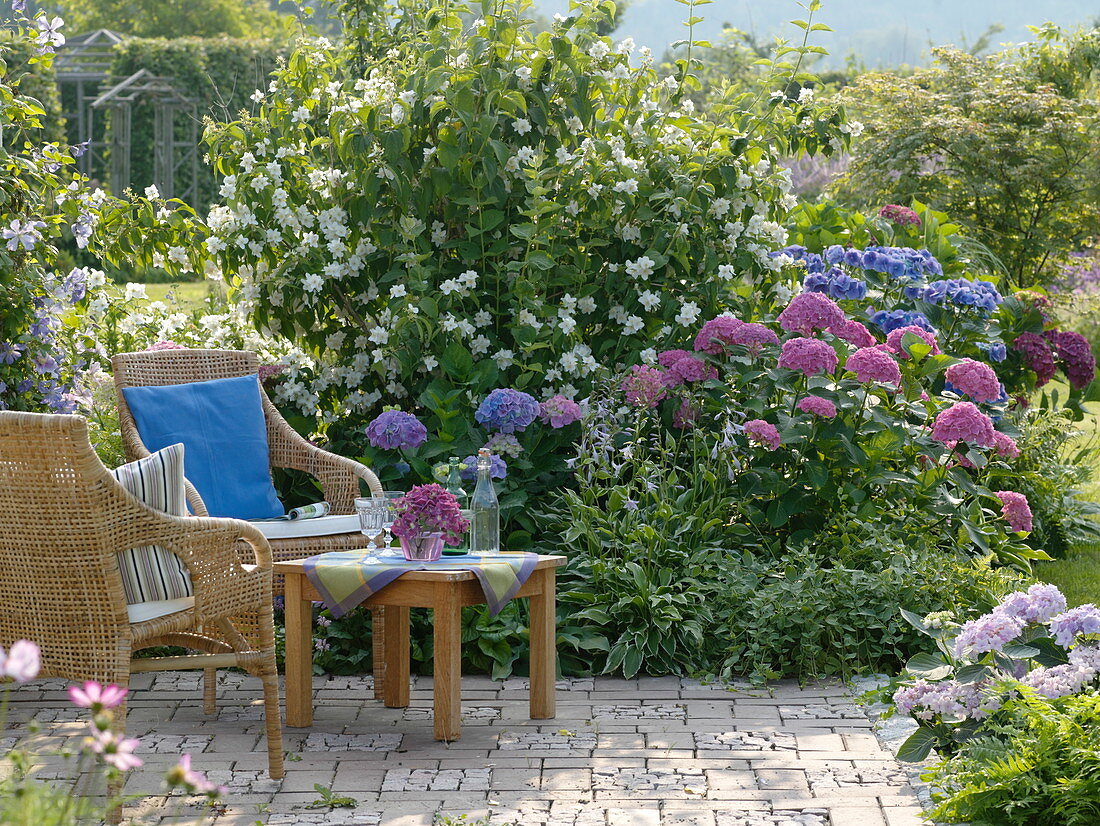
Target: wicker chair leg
113,815
269,676
210,691
377,632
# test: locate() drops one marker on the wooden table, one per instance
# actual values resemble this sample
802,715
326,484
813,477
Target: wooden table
445,592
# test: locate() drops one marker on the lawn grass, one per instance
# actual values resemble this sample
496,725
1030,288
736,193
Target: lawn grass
1077,574
189,294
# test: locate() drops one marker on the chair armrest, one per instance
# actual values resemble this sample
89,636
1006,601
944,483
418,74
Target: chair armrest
339,476
207,547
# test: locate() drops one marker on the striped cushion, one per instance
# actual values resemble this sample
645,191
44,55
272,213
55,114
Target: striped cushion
151,573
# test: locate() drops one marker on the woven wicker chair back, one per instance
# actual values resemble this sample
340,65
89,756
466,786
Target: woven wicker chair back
62,525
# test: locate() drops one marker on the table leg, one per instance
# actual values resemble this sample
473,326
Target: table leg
298,615
544,652
447,627
377,631
395,692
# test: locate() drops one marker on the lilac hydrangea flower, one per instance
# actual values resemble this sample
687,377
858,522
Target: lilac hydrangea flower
990,632
1084,619
504,443
396,430
1059,680
559,412
1038,604
507,411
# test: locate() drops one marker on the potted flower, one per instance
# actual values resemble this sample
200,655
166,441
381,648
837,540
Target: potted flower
428,516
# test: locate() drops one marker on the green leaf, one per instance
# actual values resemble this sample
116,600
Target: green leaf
928,666
917,747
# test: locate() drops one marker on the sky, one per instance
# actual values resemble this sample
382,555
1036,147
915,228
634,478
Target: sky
881,32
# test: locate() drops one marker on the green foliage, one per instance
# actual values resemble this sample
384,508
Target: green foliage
1051,472
157,18
1041,767
1005,144
328,799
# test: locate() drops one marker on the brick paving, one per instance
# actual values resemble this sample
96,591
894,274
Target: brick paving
619,753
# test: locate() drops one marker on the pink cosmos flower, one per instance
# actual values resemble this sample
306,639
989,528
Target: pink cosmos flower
644,386
870,364
894,337
817,406
1015,509
808,355
116,751
183,775
22,662
97,697
811,311
1005,446
716,334
963,422
974,379
764,433
854,333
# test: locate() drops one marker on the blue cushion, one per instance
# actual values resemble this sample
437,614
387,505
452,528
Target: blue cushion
221,424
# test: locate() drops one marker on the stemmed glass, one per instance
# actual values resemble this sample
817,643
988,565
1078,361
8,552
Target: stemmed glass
377,515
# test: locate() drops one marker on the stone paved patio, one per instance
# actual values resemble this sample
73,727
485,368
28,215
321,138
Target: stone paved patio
647,751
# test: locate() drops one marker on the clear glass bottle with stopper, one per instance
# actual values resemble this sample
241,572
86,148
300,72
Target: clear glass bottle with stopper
485,533
454,487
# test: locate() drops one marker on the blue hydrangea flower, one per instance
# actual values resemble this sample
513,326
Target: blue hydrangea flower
890,321
814,262
507,411
844,286
396,430
981,295
498,468
994,350
815,282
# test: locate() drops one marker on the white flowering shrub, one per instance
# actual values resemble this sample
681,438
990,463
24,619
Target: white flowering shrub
445,207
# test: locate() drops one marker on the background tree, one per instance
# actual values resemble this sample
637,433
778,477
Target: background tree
1006,143
175,18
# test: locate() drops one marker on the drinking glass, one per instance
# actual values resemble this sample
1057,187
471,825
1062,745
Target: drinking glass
372,513
389,514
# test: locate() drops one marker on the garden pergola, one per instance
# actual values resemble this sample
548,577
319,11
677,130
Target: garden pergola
82,66
172,154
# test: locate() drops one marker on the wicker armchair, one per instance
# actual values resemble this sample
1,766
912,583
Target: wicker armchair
339,477
65,519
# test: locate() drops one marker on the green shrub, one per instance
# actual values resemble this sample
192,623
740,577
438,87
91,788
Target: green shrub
1039,768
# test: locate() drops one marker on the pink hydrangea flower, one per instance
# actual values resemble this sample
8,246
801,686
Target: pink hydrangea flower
811,311
901,215
854,333
817,406
1015,509
644,386
870,364
559,412
894,337
96,696
684,367
808,355
764,433
429,509
963,422
685,416
753,337
716,334
974,379
1005,446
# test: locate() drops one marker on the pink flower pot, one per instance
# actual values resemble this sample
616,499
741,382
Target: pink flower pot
424,547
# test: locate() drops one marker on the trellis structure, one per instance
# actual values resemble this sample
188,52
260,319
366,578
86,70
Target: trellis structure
174,158
82,65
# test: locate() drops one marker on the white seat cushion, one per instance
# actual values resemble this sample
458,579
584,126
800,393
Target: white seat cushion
142,611
318,526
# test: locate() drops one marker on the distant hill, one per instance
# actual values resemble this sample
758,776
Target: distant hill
880,32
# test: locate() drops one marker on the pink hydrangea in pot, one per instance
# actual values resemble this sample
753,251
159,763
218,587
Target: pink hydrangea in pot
428,516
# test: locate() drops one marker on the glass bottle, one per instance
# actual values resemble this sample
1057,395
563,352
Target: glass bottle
485,535
454,487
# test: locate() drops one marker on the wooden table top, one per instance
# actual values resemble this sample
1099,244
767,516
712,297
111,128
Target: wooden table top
297,566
